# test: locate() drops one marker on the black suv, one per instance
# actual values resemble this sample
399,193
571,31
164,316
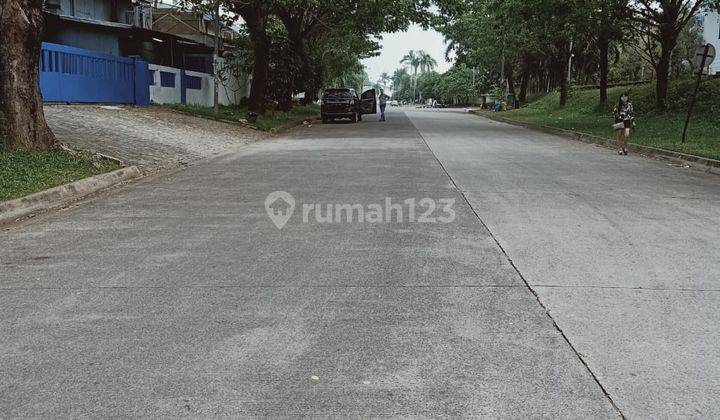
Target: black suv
345,103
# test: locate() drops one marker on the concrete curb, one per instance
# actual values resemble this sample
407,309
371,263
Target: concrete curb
63,195
695,162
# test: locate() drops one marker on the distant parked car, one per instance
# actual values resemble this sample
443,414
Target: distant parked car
339,103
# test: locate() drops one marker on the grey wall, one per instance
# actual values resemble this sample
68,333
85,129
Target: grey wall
95,9
88,39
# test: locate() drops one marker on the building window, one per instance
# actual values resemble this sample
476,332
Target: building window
167,79
193,82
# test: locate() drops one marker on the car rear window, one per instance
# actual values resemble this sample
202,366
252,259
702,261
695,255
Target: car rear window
337,95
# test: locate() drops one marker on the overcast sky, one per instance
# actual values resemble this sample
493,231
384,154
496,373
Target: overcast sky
395,46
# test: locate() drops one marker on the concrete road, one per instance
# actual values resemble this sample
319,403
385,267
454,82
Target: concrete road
623,251
179,296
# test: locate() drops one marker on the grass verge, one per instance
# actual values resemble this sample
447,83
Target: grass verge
655,129
272,120
23,173
2,130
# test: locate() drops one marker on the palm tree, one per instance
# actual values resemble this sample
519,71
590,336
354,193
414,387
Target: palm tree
426,61
412,59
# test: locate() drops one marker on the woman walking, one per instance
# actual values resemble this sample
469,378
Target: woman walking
624,121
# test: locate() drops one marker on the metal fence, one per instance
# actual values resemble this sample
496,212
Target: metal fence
69,74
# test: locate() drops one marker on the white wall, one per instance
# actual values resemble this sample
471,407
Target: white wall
711,30
164,95
231,90
204,96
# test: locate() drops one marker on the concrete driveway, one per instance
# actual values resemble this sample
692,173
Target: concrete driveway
179,296
152,138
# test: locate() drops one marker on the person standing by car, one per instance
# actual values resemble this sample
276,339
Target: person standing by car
624,114
383,104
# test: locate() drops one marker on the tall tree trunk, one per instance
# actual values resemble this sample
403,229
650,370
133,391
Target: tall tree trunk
563,81
511,81
20,43
668,41
663,76
255,14
525,81
261,56
604,50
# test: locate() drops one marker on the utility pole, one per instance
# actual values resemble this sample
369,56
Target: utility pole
216,59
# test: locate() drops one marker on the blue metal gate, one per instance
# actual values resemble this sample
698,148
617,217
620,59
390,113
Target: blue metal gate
69,74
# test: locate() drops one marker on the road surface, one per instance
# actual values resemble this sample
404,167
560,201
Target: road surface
180,296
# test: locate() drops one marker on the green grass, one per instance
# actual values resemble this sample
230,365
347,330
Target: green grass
2,130
23,173
655,129
271,120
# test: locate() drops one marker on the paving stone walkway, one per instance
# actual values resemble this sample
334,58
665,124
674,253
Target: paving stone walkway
152,138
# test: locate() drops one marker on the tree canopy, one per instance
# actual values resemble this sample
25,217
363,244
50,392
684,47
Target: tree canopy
313,42
550,43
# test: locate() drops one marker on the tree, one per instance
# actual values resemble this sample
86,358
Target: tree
428,85
236,66
303,23
20,44
339,58
683,58
256,14
426,61
456,85
284,65
412,60
402,85
502,35
317,34
312,24
662,22
612,18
